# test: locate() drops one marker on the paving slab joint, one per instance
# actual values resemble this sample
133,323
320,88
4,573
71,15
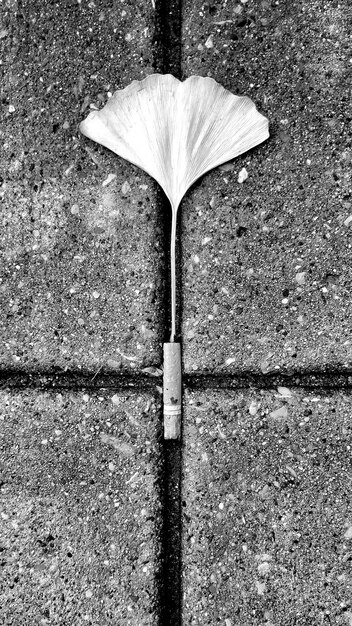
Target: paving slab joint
310,379
171,589
76,380
168,37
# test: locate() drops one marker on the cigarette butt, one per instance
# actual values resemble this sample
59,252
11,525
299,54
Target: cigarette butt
172,390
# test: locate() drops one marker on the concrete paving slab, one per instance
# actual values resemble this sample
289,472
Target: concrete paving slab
80,247
267,504
80,508
266,262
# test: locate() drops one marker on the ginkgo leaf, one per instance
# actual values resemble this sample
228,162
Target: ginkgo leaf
176,131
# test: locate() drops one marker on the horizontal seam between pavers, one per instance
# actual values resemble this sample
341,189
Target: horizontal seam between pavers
307,380
43,380
134,382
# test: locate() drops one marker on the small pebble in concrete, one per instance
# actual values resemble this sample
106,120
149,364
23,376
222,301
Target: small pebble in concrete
108,180
242,175
126,188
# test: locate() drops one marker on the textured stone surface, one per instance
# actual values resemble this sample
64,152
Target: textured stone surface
80,511
267,523
266,263
80,247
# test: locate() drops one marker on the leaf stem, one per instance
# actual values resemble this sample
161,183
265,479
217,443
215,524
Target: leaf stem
173,273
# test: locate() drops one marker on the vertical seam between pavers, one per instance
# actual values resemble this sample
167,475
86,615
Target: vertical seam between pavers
168,44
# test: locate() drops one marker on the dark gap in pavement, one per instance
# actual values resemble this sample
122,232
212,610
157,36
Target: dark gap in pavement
326,378
171,607
167,60
310,379
168,37
165,211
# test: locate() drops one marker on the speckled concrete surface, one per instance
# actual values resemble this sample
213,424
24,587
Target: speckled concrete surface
80,247
266,278
267,524
80,511
266,263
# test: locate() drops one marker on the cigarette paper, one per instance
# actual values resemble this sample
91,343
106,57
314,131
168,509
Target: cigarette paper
172,390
